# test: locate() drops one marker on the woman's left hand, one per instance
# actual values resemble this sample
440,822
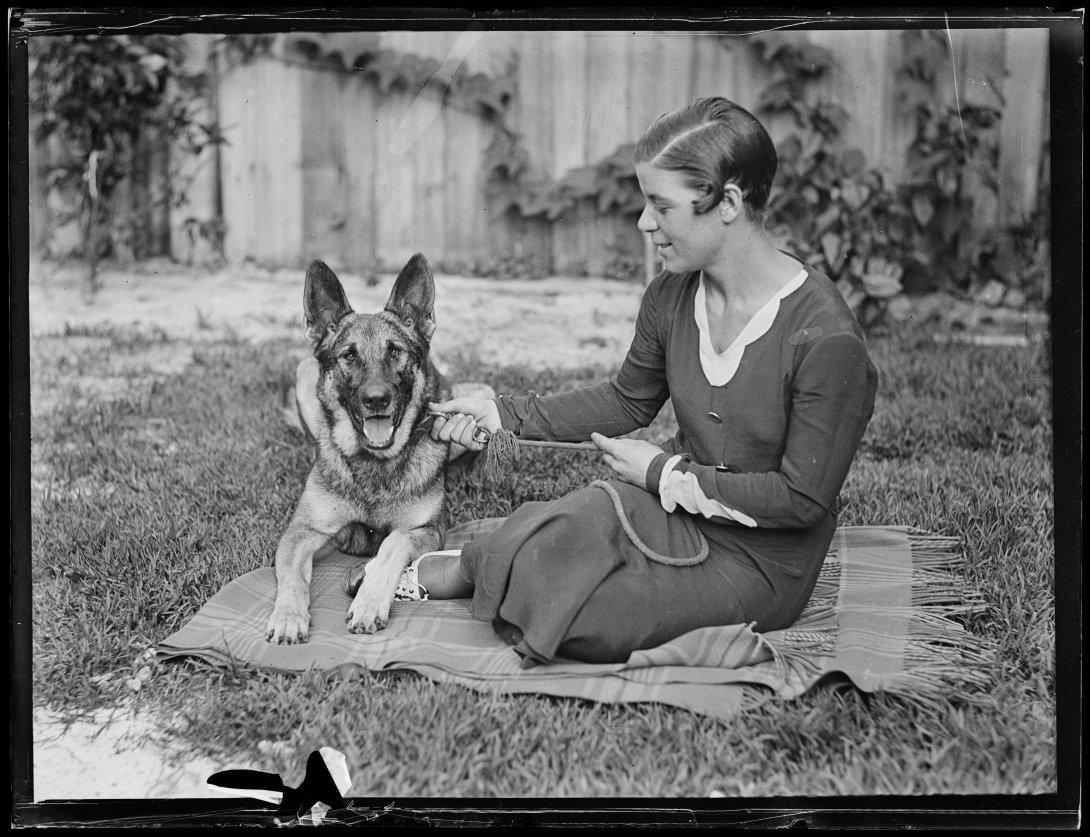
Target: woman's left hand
629,458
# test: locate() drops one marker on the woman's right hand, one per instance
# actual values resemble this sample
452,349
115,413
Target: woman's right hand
466,415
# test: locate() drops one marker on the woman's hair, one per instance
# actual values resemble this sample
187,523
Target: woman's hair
713,142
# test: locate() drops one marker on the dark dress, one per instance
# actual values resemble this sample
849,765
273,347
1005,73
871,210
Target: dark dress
606,570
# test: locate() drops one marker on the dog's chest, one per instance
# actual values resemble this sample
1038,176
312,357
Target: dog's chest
388,493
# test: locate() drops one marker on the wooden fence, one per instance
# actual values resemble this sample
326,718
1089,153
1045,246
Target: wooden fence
320,164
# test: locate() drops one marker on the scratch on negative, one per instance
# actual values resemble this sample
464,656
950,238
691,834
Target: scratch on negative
954,67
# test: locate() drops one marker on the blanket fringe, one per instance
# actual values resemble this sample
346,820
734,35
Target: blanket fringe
941,658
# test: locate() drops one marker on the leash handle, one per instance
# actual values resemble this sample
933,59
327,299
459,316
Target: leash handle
588,446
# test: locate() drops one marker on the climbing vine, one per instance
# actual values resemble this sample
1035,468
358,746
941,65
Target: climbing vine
828,206
950,162
609,184
390,70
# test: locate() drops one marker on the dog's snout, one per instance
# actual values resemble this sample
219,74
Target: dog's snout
375,398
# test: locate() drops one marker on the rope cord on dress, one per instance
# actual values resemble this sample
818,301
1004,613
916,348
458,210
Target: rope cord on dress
638,542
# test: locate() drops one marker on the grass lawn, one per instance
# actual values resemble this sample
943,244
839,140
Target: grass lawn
181,475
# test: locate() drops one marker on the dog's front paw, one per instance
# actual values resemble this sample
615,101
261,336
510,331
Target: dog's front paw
289,623
369,612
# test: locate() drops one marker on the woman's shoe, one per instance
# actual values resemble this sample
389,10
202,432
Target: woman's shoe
409,588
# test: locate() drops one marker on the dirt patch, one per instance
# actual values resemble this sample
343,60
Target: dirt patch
557,322
117,754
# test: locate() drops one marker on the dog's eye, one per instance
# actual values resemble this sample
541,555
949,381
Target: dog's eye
394,351
347,355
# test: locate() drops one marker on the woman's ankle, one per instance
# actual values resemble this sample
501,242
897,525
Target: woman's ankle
441,576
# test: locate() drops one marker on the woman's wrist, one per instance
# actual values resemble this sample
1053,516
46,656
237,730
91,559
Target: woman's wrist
506,416
654,472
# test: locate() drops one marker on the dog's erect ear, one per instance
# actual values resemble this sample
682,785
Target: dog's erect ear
324,302
413,298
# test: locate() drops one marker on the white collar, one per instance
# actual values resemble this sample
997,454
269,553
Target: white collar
720,368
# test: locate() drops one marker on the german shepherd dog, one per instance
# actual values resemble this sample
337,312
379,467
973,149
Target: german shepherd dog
377,475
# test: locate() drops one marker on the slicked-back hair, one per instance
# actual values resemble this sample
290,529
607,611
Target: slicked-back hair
713,142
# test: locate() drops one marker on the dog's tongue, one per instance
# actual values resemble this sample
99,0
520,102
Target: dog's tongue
379,429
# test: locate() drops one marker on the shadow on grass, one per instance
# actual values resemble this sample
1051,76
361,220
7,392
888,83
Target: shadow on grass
158,498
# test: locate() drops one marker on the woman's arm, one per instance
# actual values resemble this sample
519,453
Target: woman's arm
832,401
629,400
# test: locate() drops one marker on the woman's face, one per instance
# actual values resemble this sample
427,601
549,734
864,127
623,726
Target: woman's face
686,241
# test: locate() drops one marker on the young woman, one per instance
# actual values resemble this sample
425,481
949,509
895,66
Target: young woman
730,520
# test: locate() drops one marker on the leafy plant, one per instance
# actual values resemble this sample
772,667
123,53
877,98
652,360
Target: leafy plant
101,96
843,219
796,65
610,183
924,52
951,160
1021,261
506,172
389,69
246,47
622,266
827,205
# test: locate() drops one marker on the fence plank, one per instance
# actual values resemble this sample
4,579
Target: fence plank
323,174
263,123
899,126
660,68
278,187
358,126
672,81
607,119
854,84
748,75
713,69
40,221
980,65
570,111
533,108
430,126
395,187
569,52
1025,123
640,66
236,116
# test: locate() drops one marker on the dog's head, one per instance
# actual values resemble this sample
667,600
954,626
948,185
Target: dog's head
375,371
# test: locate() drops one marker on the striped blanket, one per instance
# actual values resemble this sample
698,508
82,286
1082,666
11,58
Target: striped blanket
881,614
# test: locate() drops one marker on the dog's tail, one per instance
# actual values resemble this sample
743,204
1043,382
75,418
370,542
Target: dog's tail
290,407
